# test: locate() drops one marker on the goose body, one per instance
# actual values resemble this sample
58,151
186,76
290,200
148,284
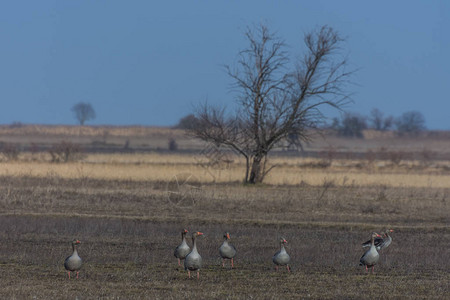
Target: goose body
281,257
73,262
227,250
387,240
370,257
193,261
182,250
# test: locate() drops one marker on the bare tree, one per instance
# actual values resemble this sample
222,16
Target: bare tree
83,112
411,122
275,102
351,125
379,122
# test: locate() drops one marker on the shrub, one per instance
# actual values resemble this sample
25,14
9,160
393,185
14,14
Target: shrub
10,151
65,152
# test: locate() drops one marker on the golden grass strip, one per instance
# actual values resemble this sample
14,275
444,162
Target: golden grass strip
283,175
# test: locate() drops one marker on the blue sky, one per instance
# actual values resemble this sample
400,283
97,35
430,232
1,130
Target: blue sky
149,62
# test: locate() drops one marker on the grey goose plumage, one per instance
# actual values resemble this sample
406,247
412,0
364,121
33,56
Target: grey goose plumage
193,261
227,250
281,257
73,262
370,257
183,249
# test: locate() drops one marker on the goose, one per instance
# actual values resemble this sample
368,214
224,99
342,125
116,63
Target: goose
183,249
282,258
387,240
371,256
227,251
73,263
193,261
380,242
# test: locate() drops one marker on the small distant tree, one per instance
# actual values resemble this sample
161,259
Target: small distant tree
379,122
83,112
351,125
411,122
188,122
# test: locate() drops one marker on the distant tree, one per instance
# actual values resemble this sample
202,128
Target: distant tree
188,122
274,101
410,122
351,125
379,122
83,112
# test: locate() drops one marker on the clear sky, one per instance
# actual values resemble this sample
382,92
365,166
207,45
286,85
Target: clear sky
148,62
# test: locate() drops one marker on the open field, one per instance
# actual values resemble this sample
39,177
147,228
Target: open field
128,210
129,229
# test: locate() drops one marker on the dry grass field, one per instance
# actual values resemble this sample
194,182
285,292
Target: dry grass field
128,211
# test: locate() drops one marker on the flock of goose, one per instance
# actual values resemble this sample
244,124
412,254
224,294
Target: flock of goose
193,260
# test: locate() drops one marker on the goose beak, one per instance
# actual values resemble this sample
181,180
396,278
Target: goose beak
185,231
391,230
199,233
78,242
228,236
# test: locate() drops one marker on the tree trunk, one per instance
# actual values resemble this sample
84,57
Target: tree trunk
256,172
247,168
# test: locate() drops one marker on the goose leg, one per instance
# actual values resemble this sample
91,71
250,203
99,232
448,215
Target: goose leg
198,274
289,269
232,264
179,262
223,263
68,272
77,274
189,274
373,267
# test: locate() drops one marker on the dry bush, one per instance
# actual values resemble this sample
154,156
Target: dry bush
426,157
10,151
371,157
396,157
65,152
